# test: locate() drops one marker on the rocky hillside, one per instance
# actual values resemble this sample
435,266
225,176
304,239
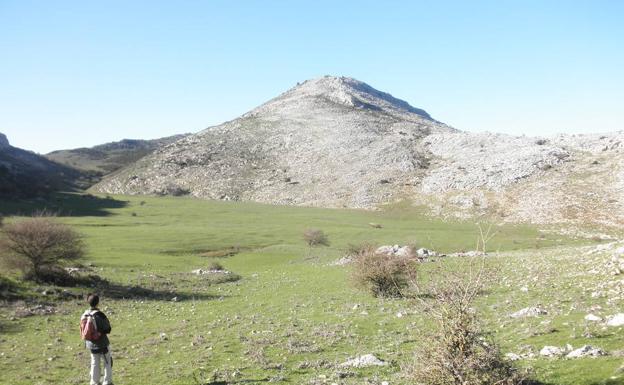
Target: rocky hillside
338,142
574,179
109,157
24,174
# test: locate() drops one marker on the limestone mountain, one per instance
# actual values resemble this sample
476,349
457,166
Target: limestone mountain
326,142
338,142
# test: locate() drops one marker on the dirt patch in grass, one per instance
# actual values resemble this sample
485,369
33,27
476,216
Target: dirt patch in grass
221,253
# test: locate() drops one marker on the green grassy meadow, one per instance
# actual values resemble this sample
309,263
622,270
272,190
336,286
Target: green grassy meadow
291,318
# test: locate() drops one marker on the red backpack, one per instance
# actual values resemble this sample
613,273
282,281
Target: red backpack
88,328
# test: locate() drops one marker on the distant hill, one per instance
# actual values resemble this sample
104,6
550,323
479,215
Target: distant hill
24,174
107,158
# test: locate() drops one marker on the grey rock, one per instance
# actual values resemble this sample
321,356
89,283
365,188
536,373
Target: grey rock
364,361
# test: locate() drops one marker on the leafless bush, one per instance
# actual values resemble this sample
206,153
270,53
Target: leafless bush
215,266
314,238
38,245
459,352
381,274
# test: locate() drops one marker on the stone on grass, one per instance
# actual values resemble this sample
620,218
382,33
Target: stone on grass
586,351
423,253
364,361
396,250
512,356
551,351
616,320
593,318
532,311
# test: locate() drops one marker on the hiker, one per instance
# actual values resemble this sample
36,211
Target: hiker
94,329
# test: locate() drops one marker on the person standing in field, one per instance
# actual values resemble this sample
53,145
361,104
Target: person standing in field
94,329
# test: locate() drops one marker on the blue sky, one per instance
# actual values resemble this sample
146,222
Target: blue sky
82,73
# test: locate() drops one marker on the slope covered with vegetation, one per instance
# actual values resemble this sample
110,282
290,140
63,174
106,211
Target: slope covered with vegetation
293,316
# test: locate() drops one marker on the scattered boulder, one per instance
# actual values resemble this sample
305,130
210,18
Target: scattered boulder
22,312
551,351
425,253
616,320
342,261
512,356
616,265
472,253
396,251
593,318
364,361
586,351
532,311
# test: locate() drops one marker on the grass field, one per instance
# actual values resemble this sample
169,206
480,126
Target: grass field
289,319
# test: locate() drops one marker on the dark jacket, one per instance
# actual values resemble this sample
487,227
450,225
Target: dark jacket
104,327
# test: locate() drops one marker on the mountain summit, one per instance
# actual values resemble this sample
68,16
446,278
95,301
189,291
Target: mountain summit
332,141
345,91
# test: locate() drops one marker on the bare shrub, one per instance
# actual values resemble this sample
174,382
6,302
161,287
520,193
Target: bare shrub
459,352
315,238
215,266
38,245
381,274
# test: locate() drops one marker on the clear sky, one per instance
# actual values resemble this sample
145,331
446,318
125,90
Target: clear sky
82,73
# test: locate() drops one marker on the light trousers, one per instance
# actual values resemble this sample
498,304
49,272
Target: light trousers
96,359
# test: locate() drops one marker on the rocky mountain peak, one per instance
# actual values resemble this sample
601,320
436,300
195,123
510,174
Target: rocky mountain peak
4,142
339,91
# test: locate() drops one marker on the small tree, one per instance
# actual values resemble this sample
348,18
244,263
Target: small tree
315,238
39,244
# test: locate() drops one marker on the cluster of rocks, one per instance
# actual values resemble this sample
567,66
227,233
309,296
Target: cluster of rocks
211,271
40,309
422,253
405,251
395,251
569,352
